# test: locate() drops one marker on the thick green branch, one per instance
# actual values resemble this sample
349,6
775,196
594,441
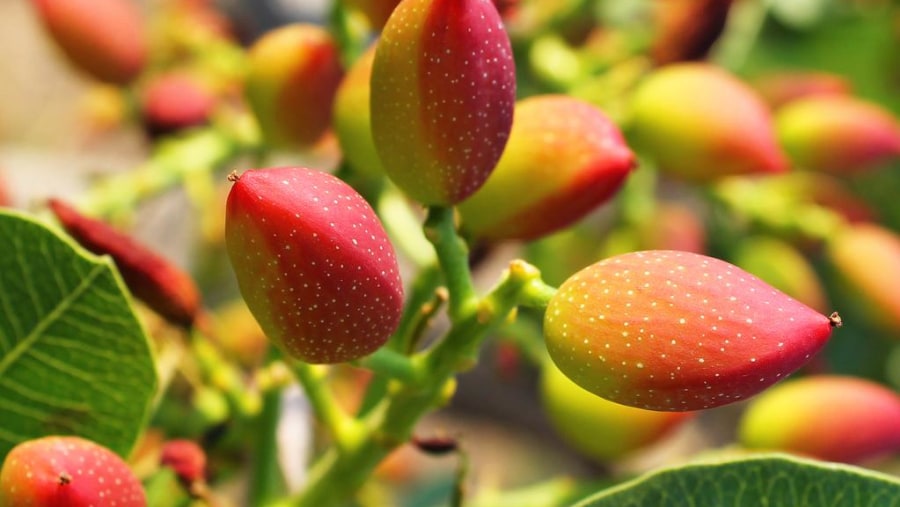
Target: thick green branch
343,428
343,470
453,256
173,162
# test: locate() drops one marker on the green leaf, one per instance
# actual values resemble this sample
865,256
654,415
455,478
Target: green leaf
74,359
774,480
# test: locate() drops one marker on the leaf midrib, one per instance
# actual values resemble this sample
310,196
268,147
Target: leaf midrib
64,304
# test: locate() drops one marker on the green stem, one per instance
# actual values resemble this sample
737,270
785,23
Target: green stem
350,43
390,364
458,497
343,470
458,350
421,293
453,256
342,427
537,294
265,482
776,209
745,25
173,162
563,491
223,375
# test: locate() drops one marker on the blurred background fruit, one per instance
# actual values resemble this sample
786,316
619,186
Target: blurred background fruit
293,75
103,38
599,428
678,118
829,417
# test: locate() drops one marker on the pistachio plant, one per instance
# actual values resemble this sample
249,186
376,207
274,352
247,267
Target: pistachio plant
354,179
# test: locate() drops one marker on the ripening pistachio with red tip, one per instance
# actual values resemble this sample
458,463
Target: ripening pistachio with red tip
828,417
866,258
293,74
67,471
103,38
564,157
600,428
352,120
186,458
313,263
687,29
443,91
676,331
172,102
838,134
700,123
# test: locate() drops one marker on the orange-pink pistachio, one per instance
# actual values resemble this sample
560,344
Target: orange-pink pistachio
699,123
564,158
829,417
67,471
675,331
838,134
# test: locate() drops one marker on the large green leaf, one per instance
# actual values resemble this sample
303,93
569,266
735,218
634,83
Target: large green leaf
773,480
74,359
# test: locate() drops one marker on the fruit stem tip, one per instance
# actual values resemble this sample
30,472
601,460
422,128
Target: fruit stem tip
835,320
234,176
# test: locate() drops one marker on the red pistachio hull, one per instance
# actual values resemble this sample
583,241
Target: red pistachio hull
313,263
172,102
104,38
164,287
687,29
781,88
782,266
186,458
